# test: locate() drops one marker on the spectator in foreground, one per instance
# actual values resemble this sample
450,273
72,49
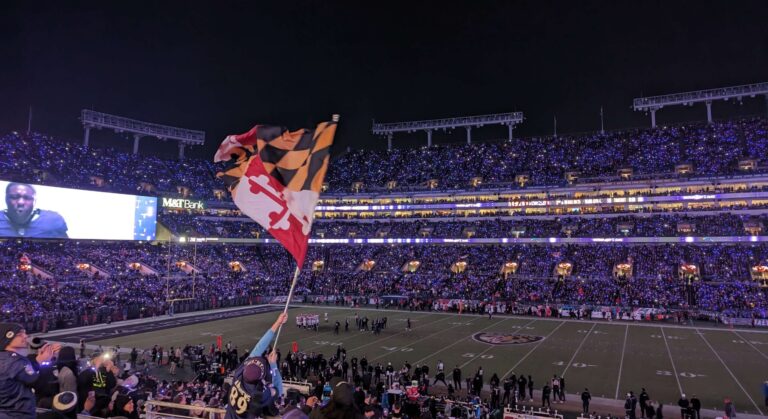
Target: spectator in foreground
257,382
17,373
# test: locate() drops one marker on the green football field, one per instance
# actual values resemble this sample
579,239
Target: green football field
609,358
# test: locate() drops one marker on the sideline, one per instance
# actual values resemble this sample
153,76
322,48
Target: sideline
724,328
257,309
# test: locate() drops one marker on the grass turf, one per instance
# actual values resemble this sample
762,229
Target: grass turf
608,358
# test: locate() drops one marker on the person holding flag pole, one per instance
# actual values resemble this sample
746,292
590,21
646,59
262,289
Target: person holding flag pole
275,177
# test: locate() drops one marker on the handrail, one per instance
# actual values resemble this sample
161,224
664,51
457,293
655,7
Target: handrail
153,410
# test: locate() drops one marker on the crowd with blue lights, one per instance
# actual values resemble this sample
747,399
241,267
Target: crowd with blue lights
712,149
204,277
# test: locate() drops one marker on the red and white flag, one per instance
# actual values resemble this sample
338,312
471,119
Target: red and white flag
275,177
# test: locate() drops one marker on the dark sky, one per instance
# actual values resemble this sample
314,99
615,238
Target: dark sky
222,66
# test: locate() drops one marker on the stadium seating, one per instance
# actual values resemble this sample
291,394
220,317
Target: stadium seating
224,275
710,149
240,275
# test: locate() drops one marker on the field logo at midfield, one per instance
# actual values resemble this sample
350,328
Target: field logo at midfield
497,338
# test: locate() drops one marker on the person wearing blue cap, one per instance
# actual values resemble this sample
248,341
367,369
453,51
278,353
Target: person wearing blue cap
257,382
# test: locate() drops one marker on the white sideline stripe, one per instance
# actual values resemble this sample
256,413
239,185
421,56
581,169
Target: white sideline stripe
586,335
533,349
672,361
149,320
750,344
492,346
621,364
457,342
730,372
551,319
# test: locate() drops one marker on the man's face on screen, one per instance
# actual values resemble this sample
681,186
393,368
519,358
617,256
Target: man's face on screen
20,200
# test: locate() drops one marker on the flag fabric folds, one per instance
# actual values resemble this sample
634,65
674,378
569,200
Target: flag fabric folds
275,177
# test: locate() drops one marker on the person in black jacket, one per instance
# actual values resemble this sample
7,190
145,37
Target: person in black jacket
643,400
650,410
47,385
546,392
530,387
100,379
585,399
457,378
508,384
521,383
341,405
684,404
17,373
695,407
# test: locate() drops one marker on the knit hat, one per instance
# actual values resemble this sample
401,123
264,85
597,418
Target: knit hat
7,332
256,369
120,403
65,402
36,343
341,392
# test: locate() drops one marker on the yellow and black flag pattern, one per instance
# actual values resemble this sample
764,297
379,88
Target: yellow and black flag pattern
275,177
296,159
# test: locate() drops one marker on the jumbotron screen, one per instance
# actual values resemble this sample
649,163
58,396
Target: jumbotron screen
46,212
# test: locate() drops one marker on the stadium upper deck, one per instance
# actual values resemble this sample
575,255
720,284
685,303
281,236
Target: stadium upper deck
682,152
739,193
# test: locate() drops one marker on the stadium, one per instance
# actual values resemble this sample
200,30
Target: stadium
445,263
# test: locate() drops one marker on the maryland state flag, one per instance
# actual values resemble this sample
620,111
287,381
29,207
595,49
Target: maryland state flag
275,177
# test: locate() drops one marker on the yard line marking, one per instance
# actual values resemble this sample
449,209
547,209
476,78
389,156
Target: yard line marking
750,344
389,337
621,364
457,342
353,335
492,346
586,335
729,371
672,361
533,349
315,335
426,337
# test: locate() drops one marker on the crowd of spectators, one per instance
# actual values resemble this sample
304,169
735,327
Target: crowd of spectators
129,280
68,380
41,159
663,225
712,149
51,285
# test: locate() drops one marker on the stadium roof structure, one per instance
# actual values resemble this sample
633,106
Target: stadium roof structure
654,103
468,122
139,129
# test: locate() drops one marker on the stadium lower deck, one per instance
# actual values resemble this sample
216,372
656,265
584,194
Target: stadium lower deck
610,358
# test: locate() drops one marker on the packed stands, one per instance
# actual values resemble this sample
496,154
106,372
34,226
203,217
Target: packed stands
711,149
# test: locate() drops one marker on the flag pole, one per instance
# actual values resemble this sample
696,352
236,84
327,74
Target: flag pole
287,303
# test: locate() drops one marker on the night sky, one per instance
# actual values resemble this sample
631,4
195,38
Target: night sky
224,66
